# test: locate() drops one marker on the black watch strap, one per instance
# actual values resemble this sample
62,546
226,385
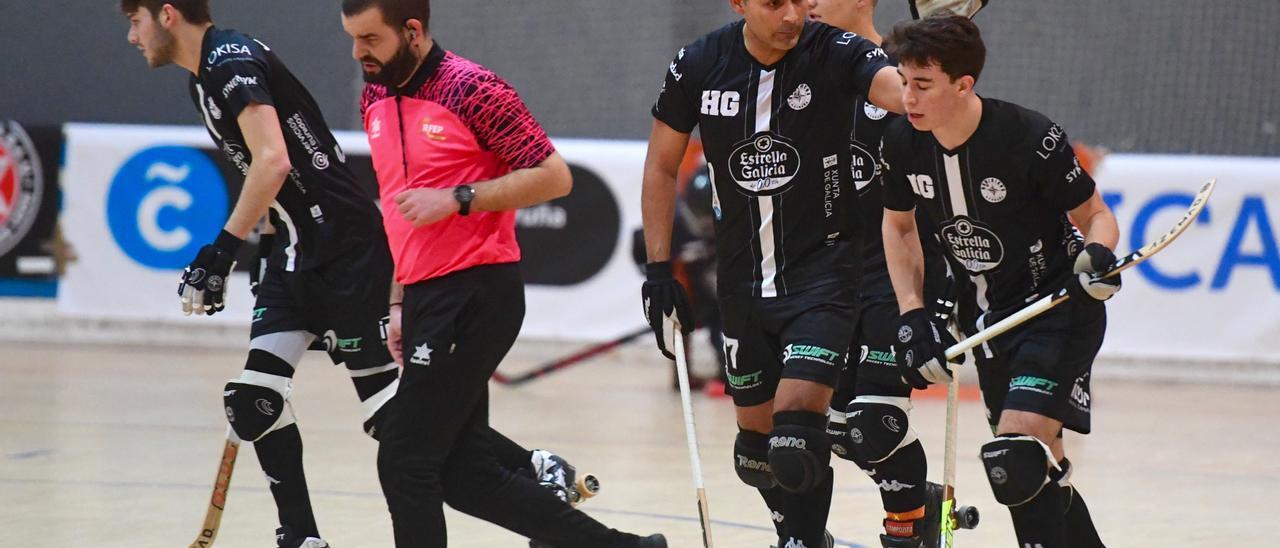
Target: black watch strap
464,194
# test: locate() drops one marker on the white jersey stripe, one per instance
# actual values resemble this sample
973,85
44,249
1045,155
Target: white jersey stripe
768,251
955,185
204,111
291,252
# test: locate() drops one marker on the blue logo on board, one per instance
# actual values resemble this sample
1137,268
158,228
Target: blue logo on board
164,204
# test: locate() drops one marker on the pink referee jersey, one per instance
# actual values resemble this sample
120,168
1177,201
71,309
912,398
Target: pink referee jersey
455,123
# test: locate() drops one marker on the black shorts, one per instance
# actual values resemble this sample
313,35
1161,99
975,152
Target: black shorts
1043,366
343,302
802,336
872,369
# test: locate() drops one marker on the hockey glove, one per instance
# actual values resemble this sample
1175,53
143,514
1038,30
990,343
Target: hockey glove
204,282
922,358
664,303
1095,258
266,243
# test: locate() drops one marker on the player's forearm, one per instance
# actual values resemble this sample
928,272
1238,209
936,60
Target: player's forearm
1102,227
905,261
261,184
886,90
658,208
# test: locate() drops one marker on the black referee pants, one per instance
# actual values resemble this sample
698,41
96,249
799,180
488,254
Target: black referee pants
434,447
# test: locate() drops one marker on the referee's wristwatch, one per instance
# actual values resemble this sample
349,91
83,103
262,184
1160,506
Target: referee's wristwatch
464,194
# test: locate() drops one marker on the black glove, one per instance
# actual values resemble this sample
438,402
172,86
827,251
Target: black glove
1095,258
266,244
923,357
204,282
664,302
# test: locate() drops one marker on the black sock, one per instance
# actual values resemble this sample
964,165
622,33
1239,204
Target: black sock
1080,530
510,454
1040,522
806,513
773,499
280,454
902,483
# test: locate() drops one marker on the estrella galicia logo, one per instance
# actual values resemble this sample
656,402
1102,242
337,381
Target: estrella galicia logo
164,203
862,165
974,245
764,164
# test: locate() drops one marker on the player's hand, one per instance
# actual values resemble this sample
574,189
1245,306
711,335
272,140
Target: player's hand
1094,259
423,206
395,338
665,306
922,357
204,282
266,243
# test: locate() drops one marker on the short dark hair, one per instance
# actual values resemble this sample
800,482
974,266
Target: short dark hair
395,12
953,42
194,11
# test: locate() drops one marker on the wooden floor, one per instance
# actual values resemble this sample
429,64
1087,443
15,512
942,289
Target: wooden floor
115,446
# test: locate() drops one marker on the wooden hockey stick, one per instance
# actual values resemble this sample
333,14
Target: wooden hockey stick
967,517
691,434
577,357
218,501
1124,263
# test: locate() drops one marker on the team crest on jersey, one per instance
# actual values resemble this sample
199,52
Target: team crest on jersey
972,244
862,165
764,164
874,112
21,185
800,98
993,190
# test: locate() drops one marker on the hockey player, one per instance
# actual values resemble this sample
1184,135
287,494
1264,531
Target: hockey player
773,96
323,272
1001,187
869,415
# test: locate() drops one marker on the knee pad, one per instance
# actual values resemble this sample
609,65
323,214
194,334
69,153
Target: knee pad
838,434
751,460
1018,468
257,404
799,450
878,428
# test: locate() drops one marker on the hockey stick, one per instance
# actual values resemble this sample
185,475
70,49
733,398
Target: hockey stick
691,434
952,517
1124,263
218,501
577,357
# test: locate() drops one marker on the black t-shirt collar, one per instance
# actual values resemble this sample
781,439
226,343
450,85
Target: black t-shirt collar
428,68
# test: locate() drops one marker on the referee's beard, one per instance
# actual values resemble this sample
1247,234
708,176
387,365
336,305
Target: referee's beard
394,72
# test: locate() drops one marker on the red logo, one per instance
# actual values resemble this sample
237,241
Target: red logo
21,185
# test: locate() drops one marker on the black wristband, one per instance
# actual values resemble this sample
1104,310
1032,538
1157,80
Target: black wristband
660,270
228,242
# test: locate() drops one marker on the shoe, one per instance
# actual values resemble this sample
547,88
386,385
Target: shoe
285,539
926,529
556,474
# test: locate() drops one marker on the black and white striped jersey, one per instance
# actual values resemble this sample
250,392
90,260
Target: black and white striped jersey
776,140
998,203
320,211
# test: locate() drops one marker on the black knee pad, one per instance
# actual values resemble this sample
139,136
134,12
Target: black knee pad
878,427
253,410
751,460
1018,467
799,450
